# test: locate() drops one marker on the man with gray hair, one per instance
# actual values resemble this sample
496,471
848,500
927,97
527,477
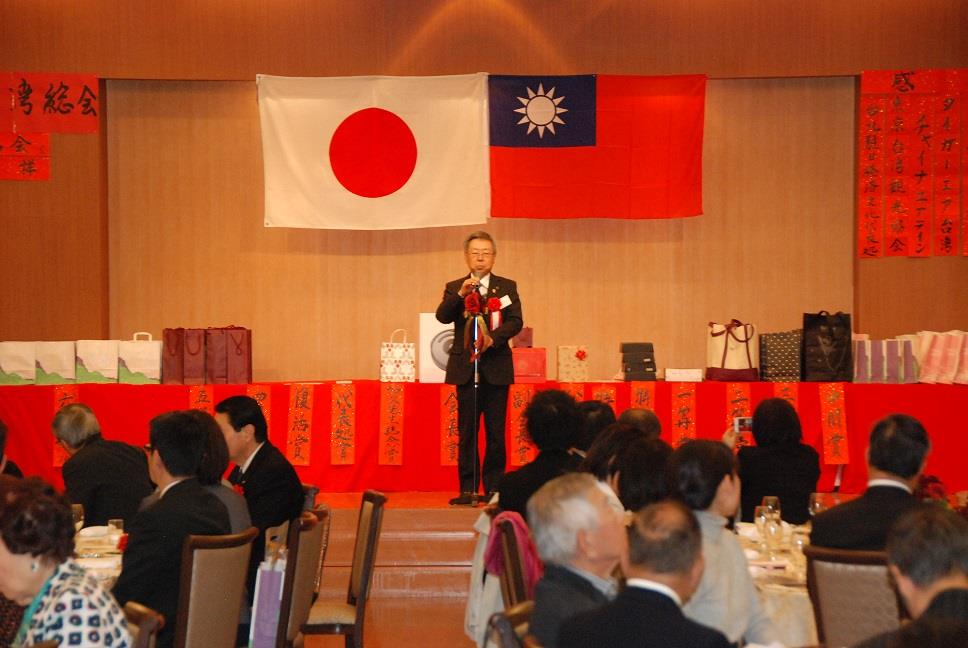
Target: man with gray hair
108,478
579,530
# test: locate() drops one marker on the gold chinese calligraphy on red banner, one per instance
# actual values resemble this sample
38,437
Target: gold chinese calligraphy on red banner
790,392
63,395
911,163
577,390
263,396
603,394
390,452
737,406
24,156
299,427
683,413
200,398
833,424
642,395
522,449
449,430
342,448
44,102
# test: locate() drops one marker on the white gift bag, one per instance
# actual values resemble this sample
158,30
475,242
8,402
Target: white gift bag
97,361
139,360
18,363
398,359
55,362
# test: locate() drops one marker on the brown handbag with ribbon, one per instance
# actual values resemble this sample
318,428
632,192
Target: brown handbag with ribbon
730,352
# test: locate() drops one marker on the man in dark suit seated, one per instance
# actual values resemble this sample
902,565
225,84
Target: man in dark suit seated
553,421
895,458
108,478
269,483
151,567
664,568
578,526
927,554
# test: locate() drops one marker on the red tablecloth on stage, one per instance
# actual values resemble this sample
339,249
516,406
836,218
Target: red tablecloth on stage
124,412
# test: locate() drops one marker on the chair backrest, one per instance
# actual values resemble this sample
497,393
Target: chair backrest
50,643
306,549
851,594
368,527
213,572
513,589
144,624
310,491
508,628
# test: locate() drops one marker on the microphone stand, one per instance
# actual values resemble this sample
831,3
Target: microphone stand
476,497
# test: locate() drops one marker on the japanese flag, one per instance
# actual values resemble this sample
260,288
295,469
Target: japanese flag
374,152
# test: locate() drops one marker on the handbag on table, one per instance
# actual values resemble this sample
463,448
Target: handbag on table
730,350
826,354
397,359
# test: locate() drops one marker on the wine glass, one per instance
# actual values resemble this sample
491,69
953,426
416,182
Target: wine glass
77,511
772,502
816,504
774,535
761,515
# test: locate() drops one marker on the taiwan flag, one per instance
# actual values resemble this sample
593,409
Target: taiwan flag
596,146
373,153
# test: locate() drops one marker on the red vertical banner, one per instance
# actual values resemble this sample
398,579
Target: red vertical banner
642,394
789,392
604,393
24,156
63,395
522,450
200,398
449,426
870,193
738,405
44,102
922,172
390,452
299,426
262,394
577,390
683,413
833,424
948,166
342,448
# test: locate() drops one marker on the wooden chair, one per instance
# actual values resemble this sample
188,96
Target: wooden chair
507,629
513,589
52,643
310,491
213,572
852,596
306,543
346,618
144,624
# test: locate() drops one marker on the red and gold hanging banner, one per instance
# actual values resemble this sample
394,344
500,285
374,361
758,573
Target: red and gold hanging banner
577,390
262,394
911,163
833,424
449,430
642,394
63,395
390,452
522,450
790,392
683,413
299,426
24,156
738,405
342,449
43,102
200,398
604,393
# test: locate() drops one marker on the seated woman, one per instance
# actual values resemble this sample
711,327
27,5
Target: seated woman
779,464
215,460
64,603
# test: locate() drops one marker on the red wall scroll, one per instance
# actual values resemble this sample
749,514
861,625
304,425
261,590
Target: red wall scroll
63,395
24,156
522,450
642,395
788,392
577,390
390,440
683,412
604,393
43,102
833,424
200,398
299,426
449,430
262,395
342,445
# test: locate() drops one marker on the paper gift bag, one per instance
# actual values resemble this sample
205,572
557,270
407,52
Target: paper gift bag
216,356
572,364
96,361
862,361
732,352
139,360
524,339
18,363
961,377
530,365
892,361
266,604
193,357
55,362
173,356
876,359
909,358
826,354
780,356
238,355
397,359
930,348
954,341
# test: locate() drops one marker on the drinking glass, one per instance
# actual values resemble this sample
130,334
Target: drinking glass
774,536
761,515
816,504
773,503
77,511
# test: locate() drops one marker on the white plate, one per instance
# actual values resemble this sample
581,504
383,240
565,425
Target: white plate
93,532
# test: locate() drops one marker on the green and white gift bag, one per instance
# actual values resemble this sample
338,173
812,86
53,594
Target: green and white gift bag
18,363
139,360
97,361
55,363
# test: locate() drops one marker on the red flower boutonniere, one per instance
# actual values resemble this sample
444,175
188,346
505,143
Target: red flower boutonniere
238,488
494,309
581,353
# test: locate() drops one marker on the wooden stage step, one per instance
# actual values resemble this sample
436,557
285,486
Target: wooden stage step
423,552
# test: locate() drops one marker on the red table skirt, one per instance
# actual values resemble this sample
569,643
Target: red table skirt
125,410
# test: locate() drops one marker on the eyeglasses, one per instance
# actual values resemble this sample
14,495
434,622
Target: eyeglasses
480,254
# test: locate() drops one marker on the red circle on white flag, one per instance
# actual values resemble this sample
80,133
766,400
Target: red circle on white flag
373,153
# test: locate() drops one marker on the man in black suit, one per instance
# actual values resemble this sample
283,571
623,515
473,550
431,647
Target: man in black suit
108,478
496,369
664,567
927,554
896,455
269,483
578,526
151,567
